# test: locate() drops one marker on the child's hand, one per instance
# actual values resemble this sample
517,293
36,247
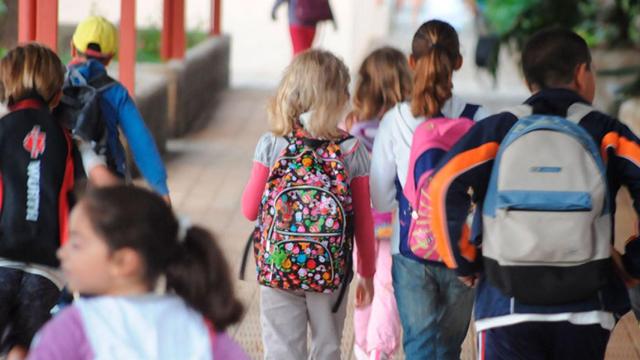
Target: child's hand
364,291
618,266
469,281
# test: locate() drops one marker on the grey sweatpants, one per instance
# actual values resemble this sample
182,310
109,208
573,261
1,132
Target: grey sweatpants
284,316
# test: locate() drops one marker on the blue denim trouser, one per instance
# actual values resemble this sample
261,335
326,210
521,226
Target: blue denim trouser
435,309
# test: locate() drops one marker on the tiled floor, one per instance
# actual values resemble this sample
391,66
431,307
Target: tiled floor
207,173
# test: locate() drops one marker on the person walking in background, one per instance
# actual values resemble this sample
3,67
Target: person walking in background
384,79
93,46
161,288
309,191
304,15
434,307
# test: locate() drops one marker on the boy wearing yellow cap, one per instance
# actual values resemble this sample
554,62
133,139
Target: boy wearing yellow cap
93,45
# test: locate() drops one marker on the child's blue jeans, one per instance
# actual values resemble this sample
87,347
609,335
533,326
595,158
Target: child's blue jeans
435,309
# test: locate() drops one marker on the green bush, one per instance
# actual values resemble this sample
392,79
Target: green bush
516,20
603,23
150,39
194,37
148,45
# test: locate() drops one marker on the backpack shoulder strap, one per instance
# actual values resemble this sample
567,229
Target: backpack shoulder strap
73,77
470,111
344,139
315,143
577,111
101,82
520,111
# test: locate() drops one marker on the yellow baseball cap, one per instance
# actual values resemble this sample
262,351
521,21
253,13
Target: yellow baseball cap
97,30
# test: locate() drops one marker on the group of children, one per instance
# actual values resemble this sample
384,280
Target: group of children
547,283
128,260
445,219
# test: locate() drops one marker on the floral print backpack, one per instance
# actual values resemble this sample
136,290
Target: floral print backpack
303,240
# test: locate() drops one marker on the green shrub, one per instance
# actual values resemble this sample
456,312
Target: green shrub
150,40
148,45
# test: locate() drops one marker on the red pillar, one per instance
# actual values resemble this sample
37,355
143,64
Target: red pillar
165,35
215,17
173,31
47,23
127,48
26,20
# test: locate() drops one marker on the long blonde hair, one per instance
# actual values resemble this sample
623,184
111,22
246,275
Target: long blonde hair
384,80
30,69
436,52
316,81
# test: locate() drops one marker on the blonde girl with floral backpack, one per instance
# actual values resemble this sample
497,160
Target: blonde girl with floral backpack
309,191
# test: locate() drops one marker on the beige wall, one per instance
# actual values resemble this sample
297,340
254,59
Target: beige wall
148,12
260,47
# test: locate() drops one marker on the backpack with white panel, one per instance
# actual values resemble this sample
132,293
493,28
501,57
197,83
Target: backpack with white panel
546,215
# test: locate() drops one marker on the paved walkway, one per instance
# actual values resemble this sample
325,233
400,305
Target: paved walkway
207,173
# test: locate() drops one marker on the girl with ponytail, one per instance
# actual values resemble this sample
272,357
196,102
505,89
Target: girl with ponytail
384,79
434,307
161,288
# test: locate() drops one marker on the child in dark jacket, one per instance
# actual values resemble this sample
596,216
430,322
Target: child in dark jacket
37,177
557,67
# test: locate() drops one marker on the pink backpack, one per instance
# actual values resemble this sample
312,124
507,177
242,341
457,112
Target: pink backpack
431,141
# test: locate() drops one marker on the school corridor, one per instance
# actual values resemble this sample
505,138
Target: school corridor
207,173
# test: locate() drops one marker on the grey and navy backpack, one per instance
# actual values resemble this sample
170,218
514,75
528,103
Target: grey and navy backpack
79,109
546,216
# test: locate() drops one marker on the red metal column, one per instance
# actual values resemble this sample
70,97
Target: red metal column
127,51
47,24
173,31
179,36
26,20
165,36
215,17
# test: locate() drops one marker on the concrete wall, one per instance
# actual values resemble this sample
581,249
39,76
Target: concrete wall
178,97
152,101
203,73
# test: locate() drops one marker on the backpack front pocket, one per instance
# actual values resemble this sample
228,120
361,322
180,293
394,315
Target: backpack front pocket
307,263
544,200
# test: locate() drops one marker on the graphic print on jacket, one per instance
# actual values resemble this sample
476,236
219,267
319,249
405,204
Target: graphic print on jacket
304,235
34,143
